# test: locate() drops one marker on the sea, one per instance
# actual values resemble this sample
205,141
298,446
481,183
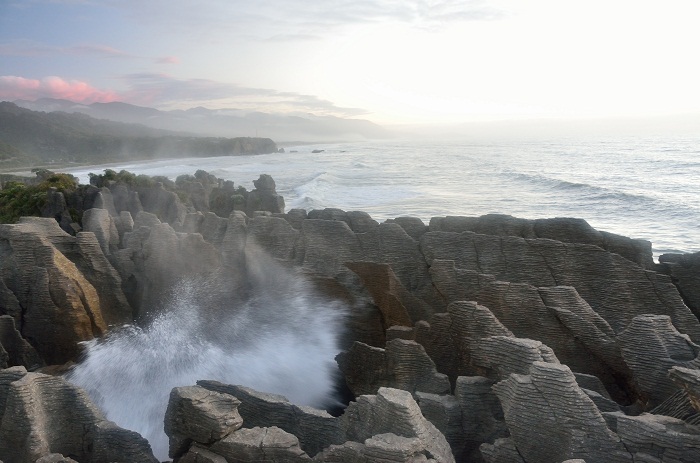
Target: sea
647,188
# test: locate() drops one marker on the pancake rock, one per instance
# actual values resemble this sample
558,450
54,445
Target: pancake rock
53,280
42,415
387,426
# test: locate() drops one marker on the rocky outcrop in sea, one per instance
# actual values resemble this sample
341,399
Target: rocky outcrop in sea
470,339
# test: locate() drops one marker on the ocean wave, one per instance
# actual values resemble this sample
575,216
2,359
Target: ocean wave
312,192
580,189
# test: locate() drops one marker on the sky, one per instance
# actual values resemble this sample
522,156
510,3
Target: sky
389,61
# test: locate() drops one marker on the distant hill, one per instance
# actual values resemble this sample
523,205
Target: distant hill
223,122
38,138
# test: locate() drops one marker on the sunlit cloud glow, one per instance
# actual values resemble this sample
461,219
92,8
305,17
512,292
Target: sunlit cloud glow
13,88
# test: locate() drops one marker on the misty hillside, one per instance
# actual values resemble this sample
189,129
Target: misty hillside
223,123
32,137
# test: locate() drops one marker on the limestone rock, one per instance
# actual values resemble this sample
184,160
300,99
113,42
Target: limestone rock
565,229
450,338
264,197
679,405
99,222
614,287
198,454
503,450
44,415
393,411
550,419
662,437
260,444
275,235
397,305
315,429
326,245
402,365
192,222
163,203
689,380
56,208
445,413
685,271
55,458
213,228
414,227
295,217
60,307
199,415
555,315
482,415
19,352
234,240
164,258
499,356
361,222
651,346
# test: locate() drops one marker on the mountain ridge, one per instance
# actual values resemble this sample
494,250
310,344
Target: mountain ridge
229,122
34,138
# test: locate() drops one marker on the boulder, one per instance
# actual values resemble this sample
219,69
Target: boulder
199,415
264,197
314,428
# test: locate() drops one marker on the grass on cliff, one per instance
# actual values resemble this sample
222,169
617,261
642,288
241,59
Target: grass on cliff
18,199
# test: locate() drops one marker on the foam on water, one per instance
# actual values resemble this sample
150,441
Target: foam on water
280,338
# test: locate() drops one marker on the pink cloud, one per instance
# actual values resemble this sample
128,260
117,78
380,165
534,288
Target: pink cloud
14,88
169,60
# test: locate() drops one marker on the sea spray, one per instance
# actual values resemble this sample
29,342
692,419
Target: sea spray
278,335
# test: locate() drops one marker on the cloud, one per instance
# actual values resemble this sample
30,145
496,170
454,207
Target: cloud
272,19
13,88
168,60
165,91
31,48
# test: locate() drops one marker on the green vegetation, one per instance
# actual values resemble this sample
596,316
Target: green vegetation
18,199
8,151
127,178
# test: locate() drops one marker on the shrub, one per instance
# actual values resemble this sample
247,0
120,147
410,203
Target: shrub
18,199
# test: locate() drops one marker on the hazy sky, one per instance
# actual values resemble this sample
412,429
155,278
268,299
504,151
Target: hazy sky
384,60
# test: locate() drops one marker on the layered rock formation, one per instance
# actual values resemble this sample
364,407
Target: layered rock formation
43,415
475,339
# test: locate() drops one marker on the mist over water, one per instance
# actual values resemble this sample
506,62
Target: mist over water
280,336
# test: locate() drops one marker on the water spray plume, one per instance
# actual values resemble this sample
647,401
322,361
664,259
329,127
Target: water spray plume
277,334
